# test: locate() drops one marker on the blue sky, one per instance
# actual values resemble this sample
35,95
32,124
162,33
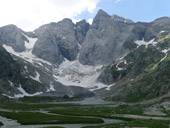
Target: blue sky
136,10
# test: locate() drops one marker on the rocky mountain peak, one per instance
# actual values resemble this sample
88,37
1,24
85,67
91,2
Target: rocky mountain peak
67,20
101,13
81,22
162,20
121,19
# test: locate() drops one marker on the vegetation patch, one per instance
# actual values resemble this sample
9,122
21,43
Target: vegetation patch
1,123
21,106
27,118
104,112
137,123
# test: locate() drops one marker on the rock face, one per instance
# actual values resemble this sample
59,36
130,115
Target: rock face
13,36
104,41
121,19
81,30
57,41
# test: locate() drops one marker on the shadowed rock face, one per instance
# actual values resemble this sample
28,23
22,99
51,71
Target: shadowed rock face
57,41
81,30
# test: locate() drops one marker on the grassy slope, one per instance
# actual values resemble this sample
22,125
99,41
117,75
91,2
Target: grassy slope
150,77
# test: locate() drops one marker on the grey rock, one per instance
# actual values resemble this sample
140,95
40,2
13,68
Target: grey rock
56,41
104,41
121,19
13,36
81,30
155,27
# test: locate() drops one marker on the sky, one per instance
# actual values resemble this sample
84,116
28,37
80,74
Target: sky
30,14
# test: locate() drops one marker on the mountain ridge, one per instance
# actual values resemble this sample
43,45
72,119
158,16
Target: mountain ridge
87,55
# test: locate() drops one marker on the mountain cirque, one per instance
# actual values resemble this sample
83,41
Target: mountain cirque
113,54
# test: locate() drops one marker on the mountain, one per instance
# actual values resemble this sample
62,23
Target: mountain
104,41
113,57
143,73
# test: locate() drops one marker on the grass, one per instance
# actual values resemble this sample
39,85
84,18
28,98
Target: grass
167,58
27,118
21,106
53,127
73,114
153,67
105,112
137,123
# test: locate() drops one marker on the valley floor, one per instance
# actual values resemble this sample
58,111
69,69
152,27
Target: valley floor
89,113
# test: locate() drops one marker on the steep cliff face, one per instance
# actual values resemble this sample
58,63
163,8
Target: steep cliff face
104,41
60,41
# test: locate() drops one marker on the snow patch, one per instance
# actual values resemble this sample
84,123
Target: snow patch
37,77
27,55
109,87
10,83
165,50
23,93
25,67
162,31
31,42
52,87
142,42
117,66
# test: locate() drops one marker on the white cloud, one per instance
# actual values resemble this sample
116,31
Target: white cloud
117,1
90,21
30,14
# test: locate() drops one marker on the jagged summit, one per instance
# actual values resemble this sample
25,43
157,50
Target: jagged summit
73,54
121,19
101,13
